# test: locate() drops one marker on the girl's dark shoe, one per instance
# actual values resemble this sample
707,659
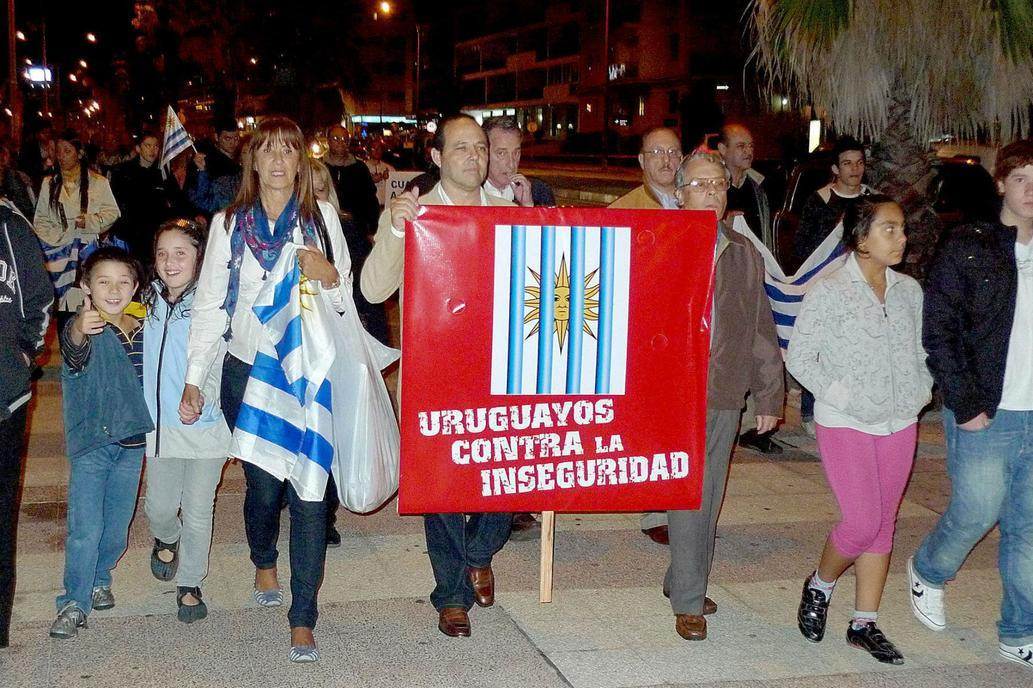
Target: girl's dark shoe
189,613
813,613
870,639
164,570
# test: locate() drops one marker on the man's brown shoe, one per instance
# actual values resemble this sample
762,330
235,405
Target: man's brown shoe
454,622
657,534
483,582
691,626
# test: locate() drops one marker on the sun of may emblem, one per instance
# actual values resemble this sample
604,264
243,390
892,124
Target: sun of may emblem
561,308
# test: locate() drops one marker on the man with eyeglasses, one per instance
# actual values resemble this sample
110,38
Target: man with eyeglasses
744,357
661,153
659,158
356,190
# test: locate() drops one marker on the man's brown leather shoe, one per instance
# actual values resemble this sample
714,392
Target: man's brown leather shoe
691,626
657,534
454,622
483,582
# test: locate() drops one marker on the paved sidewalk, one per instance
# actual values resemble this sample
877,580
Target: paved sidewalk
608,627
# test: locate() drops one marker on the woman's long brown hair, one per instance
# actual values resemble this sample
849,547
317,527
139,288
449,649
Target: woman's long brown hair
279,129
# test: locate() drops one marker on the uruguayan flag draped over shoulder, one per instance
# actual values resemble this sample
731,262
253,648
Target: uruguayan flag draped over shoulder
309,364
786,293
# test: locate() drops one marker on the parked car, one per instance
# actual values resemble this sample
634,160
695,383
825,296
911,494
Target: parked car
961,191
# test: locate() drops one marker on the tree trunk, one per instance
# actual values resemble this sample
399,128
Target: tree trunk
902,167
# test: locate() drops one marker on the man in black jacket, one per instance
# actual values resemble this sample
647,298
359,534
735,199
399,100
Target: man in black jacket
25,298
139,189
978,332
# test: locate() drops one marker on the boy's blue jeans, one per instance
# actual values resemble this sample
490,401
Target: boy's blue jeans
991,474
102,488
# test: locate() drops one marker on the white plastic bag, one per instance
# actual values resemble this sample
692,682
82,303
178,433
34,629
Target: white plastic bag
366,438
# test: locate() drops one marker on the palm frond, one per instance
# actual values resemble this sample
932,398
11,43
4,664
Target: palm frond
1015,21
964,67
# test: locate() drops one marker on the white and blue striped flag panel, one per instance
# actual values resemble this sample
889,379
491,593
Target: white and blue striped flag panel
786,292
570,284
285,425
176,140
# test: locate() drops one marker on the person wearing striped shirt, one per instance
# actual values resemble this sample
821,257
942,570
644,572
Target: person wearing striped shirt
105,421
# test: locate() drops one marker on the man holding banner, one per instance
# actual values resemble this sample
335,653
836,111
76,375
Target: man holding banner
460,546
744,357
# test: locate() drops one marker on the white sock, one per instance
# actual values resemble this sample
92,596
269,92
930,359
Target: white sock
861,619
818,584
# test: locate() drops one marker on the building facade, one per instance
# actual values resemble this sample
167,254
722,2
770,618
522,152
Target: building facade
567,73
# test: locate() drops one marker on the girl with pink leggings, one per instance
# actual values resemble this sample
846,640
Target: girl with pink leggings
857,346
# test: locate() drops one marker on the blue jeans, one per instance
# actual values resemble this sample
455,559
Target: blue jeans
102,488
456,541
262,508
263,502
991,474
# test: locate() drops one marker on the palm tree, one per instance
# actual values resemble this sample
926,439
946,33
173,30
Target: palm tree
901,72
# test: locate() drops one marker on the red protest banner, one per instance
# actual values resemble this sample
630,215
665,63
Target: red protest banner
604,413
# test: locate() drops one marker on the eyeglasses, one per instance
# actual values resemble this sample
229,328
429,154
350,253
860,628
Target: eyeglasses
706,185
664,153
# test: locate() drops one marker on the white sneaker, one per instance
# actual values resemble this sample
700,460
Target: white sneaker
926,601
1021,654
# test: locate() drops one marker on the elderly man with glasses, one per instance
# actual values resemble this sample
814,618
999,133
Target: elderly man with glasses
659,158
744,357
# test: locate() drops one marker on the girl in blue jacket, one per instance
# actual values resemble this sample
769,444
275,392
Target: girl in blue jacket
184,461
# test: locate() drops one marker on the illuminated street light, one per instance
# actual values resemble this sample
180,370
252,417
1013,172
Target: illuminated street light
20,35
73,78
91,37
82,63
385,7
254,60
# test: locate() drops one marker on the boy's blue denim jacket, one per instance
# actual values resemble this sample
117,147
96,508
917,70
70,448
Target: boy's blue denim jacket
104,402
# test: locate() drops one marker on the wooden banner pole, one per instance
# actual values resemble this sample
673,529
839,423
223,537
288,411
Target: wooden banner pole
547,542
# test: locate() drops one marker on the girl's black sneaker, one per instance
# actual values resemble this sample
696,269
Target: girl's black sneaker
813,612
870,639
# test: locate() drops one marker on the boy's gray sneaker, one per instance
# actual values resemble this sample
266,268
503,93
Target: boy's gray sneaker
103,598
68,622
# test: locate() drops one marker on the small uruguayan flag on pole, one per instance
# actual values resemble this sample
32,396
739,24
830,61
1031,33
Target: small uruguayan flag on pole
786,293
176,141
560,321
285,425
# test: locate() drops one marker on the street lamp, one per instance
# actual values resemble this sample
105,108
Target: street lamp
385,8
91,37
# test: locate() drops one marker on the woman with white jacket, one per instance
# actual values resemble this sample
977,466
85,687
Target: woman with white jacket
75,211
857,345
